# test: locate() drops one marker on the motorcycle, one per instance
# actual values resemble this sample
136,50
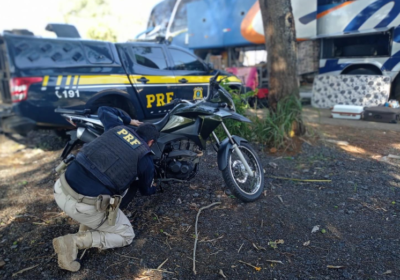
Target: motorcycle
184,132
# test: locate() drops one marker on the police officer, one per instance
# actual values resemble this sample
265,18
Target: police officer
106,172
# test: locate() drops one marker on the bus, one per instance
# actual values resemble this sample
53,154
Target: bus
354,37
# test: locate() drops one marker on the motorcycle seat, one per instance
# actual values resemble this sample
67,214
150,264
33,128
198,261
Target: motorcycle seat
161,123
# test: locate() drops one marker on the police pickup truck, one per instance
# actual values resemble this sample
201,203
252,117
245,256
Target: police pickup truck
138,77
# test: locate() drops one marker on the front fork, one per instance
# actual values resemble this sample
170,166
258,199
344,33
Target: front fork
236,148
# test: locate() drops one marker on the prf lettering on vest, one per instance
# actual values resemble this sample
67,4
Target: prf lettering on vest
159,98
128,137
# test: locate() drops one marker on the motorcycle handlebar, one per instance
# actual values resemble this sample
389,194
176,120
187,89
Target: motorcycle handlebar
214,79
177,101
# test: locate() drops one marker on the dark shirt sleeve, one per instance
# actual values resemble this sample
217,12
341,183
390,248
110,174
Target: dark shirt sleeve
145,182
112,117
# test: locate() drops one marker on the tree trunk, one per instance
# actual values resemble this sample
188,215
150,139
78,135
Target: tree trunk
280,41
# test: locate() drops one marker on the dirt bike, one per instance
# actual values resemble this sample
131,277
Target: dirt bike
184,131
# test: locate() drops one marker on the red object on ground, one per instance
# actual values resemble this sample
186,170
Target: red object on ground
262,93
249,77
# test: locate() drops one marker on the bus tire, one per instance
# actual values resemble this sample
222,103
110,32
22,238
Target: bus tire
396,89
362,71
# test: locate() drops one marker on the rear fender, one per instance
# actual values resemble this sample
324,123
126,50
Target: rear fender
119,99
224,148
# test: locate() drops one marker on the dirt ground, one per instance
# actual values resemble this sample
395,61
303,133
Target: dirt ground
346,227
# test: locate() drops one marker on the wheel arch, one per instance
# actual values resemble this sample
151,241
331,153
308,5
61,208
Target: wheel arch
113,98
395,87
369,66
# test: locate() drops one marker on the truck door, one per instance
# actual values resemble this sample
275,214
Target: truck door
191,75
152,78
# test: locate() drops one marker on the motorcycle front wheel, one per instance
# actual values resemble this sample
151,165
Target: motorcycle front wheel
235,175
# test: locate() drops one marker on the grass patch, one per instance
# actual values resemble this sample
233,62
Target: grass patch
276,129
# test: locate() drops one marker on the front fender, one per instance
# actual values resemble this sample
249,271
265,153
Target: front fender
237,117
224,148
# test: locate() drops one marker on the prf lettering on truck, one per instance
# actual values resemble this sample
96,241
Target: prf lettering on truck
159,99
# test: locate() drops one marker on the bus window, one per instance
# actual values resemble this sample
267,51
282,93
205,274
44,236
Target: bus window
180,21
161,13
371,45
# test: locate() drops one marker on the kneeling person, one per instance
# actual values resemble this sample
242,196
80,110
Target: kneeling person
107,172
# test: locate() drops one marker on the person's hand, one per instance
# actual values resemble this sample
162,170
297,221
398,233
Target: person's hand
135,122
157,189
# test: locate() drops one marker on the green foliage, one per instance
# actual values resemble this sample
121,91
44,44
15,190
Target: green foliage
103,33
274,130
237,128
277,128
95,15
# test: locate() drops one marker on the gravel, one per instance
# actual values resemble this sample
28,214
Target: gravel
358,213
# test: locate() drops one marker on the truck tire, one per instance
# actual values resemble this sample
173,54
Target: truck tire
116,101
62,133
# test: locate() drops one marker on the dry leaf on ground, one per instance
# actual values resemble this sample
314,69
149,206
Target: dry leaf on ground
274,261
335,266
315,229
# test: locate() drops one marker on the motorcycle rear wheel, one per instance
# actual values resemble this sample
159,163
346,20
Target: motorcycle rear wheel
244,187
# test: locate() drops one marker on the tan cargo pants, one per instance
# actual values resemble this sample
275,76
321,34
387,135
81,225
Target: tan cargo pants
106,236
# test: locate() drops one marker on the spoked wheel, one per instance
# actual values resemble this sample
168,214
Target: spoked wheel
242,185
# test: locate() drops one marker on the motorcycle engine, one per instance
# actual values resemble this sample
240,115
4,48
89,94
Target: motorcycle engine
182,160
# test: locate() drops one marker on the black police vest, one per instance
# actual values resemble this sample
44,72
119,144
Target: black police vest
113,157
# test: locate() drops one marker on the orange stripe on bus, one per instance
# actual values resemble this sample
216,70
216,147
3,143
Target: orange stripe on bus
247,29
320,15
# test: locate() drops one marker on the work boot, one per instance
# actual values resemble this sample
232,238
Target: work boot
67,247
83,240
83,228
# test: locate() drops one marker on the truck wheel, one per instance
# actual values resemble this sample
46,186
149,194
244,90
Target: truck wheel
115,101
62,133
